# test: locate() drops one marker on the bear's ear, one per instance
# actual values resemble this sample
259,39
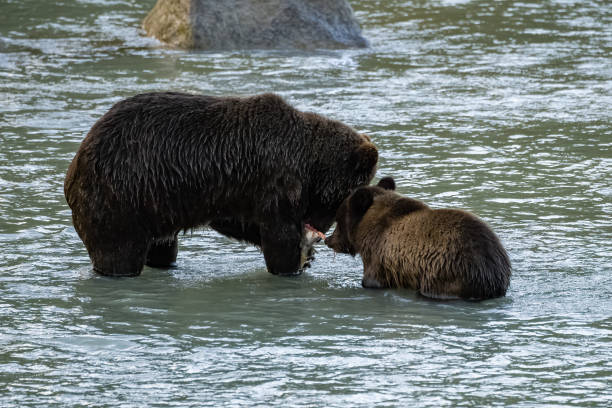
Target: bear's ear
364,157
360,201
387,183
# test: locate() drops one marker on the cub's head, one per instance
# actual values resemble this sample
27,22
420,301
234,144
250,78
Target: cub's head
351,212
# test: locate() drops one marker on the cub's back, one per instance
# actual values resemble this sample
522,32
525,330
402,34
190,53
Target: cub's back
435,248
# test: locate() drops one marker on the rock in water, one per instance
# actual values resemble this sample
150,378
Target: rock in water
254,24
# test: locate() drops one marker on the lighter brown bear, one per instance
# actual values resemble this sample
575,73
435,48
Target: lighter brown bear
441,253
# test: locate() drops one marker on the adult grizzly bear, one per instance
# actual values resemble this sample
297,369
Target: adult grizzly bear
403,243
253,168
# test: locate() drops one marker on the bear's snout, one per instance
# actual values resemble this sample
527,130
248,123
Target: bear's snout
337,245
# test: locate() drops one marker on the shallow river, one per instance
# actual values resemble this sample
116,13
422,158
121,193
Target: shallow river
501,108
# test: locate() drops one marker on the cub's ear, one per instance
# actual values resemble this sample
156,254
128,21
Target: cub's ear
360,201
387,183
364,157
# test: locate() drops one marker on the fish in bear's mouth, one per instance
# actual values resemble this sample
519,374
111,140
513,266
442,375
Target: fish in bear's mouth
313,234
310,236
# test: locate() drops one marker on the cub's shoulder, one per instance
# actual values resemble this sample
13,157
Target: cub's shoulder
404,206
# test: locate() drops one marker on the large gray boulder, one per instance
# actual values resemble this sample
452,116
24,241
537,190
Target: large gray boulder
254,24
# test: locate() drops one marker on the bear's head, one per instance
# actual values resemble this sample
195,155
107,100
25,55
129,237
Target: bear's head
351,212
344,162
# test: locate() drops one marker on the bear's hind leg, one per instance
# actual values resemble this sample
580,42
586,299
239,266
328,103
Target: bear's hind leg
162,253
441,288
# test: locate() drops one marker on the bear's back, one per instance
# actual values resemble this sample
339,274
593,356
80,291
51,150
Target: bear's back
157,122
163,144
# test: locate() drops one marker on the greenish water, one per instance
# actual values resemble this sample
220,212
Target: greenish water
502,108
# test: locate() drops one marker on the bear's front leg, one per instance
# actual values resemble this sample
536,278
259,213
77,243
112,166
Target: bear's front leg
162,253
370,275
281,246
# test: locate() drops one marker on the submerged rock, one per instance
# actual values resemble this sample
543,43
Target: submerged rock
254,24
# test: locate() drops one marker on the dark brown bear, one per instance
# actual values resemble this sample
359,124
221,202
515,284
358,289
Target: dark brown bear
253,168
403,243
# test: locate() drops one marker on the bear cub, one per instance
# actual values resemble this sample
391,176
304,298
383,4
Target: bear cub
441,253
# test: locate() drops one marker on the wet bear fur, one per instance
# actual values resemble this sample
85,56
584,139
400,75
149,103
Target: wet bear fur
253,168
442,253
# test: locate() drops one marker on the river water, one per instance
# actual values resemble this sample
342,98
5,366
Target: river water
501,108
